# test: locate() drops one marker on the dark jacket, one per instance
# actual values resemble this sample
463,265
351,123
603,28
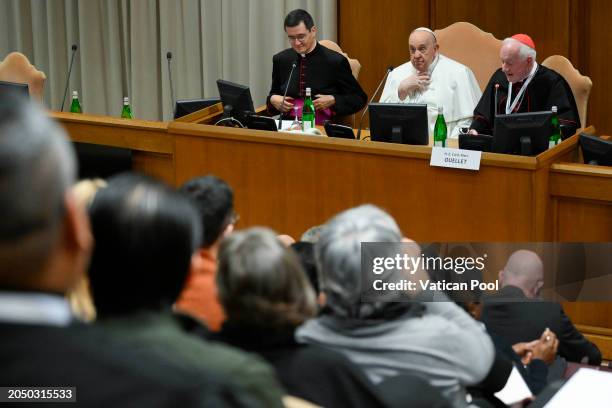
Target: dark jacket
510,314
161,334
104,372
547,88
327,72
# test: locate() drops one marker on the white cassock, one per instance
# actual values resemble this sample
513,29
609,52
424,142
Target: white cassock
451,85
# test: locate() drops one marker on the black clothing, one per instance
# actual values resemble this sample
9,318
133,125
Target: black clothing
510,314
316,374
547,88
103,372
324,71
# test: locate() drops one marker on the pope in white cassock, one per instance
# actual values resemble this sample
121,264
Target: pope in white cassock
433,79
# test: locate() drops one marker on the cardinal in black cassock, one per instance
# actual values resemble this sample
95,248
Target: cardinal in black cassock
533,88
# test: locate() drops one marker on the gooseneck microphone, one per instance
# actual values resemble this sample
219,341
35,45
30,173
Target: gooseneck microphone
496,88
389,69
280,117
74,50
169,58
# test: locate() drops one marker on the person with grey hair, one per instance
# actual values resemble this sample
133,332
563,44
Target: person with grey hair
517,313
266,296
522,85
45,244
436,340
436,80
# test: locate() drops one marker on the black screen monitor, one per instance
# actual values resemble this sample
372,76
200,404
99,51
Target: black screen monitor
596,150
14,88
526,134
236,96
479,142
399,123
186,106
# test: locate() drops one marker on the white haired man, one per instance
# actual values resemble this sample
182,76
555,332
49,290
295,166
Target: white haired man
391,337
433,79
523,85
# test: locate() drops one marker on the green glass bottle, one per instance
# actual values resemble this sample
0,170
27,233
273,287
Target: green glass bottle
440,129
126,112
555,137
75,106
308,112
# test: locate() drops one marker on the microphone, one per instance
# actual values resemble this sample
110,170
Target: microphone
74,50
169,58
280,117
389,69
496,88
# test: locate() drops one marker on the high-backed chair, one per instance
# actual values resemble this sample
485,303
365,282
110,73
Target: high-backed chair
581,85
355,68
474,48
355,65
17,68
478,50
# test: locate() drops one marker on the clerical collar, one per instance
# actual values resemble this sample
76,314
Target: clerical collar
519,96
311,52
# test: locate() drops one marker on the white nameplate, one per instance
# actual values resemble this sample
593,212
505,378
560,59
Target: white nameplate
455,158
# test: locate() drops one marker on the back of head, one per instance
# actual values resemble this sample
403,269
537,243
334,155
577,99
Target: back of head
297,16
214,200
261,282
338,254
145,235
37,168
525,270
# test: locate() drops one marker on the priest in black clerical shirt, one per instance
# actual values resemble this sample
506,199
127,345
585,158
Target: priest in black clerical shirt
335,92
524,86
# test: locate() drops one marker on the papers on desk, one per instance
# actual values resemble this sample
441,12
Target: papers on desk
515,390
586,388
285,124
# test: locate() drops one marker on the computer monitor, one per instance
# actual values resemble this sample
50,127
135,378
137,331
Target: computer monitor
399,123
526,134
236,96
479,142
186,106
596,150
14,88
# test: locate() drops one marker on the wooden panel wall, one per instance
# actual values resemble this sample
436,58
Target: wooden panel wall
376,33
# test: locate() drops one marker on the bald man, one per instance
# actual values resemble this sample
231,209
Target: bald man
517,314
524,86
433,79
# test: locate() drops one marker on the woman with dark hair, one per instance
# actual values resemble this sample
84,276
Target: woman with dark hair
266,296
145,233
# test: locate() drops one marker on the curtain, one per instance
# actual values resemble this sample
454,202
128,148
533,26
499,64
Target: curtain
122,47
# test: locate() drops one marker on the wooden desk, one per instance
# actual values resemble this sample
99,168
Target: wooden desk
291,182
581,198
151,144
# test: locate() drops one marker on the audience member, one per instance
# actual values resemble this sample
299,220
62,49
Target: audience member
145,235
80,297
45,243
517,314
267,296
214,200
436,340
